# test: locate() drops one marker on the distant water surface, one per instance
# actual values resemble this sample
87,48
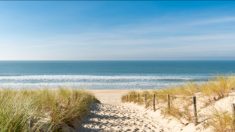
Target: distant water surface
109,74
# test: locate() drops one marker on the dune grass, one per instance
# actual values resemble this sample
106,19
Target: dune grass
221,122
214,89
42,110
208,93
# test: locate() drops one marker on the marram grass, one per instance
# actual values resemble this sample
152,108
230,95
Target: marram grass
218,87
42,110
209,92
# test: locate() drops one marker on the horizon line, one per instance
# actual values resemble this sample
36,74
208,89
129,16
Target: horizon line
135,60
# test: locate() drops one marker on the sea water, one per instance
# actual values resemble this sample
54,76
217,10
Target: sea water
109,74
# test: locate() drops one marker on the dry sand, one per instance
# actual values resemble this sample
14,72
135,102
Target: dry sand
112,115
108,117
109,96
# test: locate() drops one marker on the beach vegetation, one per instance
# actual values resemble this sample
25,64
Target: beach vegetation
221,121
42,110
181,100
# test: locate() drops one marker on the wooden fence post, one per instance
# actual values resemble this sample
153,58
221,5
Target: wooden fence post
154,98
156,101
127,98
195,110
233,110
30,125
138,96
145,100
168,102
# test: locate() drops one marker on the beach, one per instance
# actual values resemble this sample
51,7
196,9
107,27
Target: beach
110,81
114,115
109,96
117,66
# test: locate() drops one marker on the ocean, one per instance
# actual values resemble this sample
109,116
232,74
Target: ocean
109,74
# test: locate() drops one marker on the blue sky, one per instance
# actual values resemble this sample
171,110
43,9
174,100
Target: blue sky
99,30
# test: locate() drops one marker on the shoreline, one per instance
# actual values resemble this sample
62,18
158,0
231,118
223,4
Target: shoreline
109,96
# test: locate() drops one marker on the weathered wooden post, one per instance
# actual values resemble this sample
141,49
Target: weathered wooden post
195,110
156,101
130,98
168,103
154,98
145,100
30,125
127,98
138,98
233,110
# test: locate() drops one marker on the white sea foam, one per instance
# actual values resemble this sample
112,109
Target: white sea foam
96,81
93,77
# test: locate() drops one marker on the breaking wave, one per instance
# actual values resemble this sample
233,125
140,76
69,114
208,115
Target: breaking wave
99,82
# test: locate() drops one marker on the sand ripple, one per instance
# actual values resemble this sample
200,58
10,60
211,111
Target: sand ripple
120,117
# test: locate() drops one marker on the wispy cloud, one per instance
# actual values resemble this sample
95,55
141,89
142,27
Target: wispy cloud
217,20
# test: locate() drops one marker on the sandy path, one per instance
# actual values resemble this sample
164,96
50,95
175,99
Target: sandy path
109,96
108,117
112,115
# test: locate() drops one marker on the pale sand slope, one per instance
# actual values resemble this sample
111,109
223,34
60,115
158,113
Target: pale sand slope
108,117
112,115
109,96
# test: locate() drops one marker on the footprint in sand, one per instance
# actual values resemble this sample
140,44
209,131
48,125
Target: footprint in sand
107,117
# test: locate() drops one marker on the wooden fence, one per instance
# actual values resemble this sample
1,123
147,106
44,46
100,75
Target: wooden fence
169,98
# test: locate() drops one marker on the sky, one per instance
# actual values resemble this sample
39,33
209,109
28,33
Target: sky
117,30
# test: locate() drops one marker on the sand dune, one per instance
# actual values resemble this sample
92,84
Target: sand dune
108,117
112,115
